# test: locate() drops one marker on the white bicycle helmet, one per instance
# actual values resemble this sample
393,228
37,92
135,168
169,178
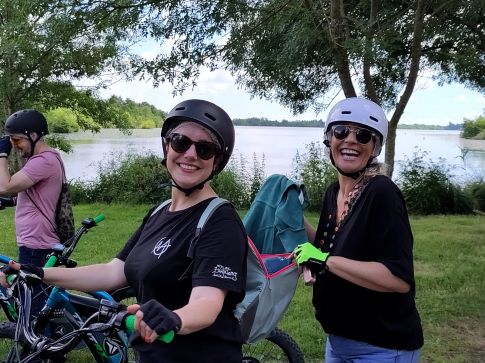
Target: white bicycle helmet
360,111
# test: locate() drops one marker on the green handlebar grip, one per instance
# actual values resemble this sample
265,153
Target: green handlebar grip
130,325
99,218
51,262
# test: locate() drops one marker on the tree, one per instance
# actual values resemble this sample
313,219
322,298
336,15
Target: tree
301,53
474,128
46,46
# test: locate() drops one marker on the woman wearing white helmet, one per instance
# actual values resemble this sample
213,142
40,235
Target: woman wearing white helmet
361,255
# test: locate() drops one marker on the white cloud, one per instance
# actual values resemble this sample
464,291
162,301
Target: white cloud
431,104
462,98
215,82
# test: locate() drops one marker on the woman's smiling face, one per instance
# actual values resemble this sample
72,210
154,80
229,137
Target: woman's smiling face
349,154
187,168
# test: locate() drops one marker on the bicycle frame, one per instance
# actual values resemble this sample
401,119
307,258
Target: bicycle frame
70,304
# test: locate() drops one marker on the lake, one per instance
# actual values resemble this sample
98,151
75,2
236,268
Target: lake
278,145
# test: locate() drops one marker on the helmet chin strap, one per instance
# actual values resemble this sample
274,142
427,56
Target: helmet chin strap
187,191
32,145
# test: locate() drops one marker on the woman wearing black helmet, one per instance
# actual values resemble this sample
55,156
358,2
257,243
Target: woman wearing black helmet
361,254
194,295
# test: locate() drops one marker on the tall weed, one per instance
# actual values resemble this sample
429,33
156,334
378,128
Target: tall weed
238,183
314,171
476,192
428,189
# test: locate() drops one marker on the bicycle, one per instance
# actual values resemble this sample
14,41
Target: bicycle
110,320
74,309
63,310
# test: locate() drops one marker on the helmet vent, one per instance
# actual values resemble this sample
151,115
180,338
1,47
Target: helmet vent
208,115
346,112
180,108
373,118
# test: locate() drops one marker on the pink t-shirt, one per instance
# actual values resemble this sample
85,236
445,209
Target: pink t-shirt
32,227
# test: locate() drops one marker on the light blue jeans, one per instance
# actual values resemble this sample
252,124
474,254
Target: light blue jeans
343,350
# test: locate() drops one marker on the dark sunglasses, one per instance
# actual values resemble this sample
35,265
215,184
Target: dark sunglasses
363,136
181,143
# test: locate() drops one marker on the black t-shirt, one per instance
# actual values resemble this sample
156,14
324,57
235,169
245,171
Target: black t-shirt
376,229
157,267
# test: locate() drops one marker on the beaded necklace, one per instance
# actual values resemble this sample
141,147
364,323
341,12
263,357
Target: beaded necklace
349,204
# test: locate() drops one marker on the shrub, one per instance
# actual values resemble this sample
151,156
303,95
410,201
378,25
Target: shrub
62,120
473,128
427,187
315,172
237,183
228,184
476,191
132,178
125,178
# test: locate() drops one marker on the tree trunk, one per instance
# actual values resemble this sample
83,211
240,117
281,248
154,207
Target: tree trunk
390,148
416,51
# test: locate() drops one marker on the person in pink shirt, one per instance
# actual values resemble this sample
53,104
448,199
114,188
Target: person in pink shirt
36,185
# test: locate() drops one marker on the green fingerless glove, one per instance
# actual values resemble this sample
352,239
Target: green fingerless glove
307,254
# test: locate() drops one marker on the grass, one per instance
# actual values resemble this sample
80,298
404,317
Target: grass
449,254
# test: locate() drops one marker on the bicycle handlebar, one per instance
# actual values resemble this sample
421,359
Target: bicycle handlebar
61,254
129,325
110,317
119,317
99,218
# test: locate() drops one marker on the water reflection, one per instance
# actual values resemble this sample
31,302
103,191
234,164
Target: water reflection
278,145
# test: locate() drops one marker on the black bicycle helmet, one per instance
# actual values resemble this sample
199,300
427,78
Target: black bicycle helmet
208,115
26,121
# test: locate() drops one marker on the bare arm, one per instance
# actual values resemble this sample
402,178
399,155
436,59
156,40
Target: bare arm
107,276
11,185
203,298
371,275
205,304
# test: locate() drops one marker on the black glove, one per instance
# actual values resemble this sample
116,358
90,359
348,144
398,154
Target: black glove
5,146
159,318
32,269
7,270
7,202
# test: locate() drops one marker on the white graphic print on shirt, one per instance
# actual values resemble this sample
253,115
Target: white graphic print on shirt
161,247
224,273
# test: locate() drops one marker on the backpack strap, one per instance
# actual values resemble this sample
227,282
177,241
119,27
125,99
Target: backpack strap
209,210
168,201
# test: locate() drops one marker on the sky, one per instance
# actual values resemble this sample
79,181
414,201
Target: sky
430,103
